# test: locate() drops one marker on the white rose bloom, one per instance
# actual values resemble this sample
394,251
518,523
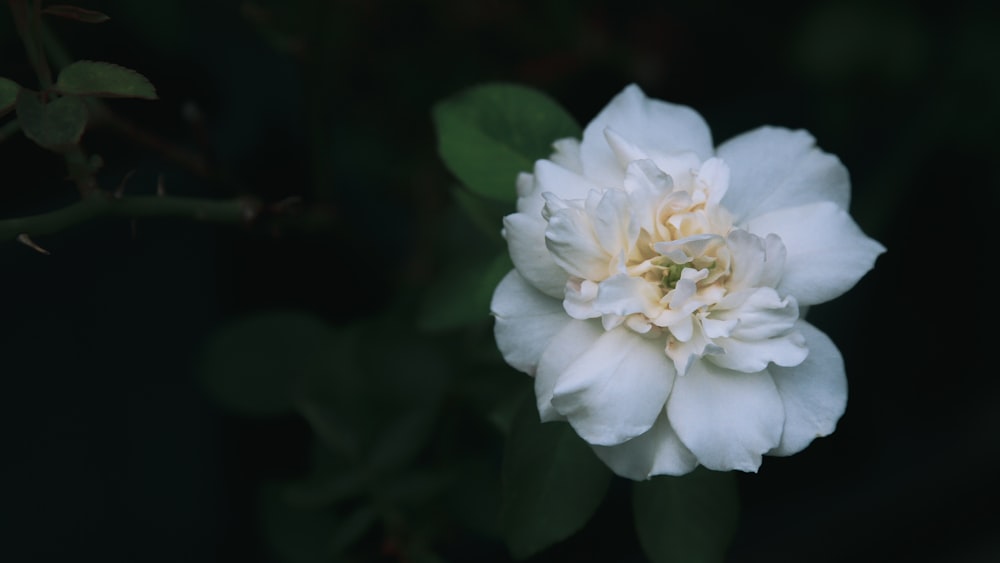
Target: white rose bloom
659,286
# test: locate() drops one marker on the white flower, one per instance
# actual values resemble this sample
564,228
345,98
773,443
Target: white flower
659,286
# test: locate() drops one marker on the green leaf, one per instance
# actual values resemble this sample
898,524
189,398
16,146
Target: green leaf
552,483
688,519
8,95
75,13
488,134
252,364
379,401
486,214
104,80
296,534
55,125
462,295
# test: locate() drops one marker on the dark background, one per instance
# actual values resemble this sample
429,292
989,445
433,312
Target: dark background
112,450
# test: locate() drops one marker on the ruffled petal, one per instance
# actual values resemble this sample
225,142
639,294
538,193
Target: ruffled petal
572,242
572,341
657,452
757,261
567,154
526,321
525,236
773,168
728,419
826,251
814,393
645,123
616,389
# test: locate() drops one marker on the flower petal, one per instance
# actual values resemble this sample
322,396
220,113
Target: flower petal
572,341
526,321
772,168
764,331
814,393
567,154
657,452
728,419
826,252
622,295
757,261
525,236
616,389
572,242
645,123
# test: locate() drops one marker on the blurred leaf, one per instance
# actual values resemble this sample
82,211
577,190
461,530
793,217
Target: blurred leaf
75,13
55,125
8,95
353,527
296,534
327,489
552,483
489,133
104,80
473,496
252,364
416,487
486,214
462,294
379,404
688,519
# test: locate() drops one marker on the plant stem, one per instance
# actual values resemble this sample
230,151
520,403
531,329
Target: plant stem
100,205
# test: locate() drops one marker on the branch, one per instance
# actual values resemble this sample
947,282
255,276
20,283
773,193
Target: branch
101,205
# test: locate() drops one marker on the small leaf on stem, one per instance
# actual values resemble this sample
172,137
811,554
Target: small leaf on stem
56,125
104,80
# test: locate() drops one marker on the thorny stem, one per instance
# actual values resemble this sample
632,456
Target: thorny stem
101,205
96,203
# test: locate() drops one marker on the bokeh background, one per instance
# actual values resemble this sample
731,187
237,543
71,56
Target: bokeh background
122,442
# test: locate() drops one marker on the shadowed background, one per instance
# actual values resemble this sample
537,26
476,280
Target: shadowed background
115,449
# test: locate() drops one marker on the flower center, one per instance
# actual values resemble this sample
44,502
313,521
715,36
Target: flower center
663,258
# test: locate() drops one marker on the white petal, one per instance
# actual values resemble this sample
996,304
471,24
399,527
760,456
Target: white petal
682,251
826,251
714,176
814,393
579,300
646,186
526,321
613,223
567,154
573,244
757,261
622,294
657,452
646,123
575,338
526,243
616,389
764,331
773,168
561,181
727,419
624,151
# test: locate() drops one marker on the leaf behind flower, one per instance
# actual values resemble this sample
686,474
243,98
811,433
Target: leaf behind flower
552,483
488,134
687,519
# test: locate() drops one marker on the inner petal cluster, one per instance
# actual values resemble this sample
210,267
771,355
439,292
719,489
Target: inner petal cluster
662,256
